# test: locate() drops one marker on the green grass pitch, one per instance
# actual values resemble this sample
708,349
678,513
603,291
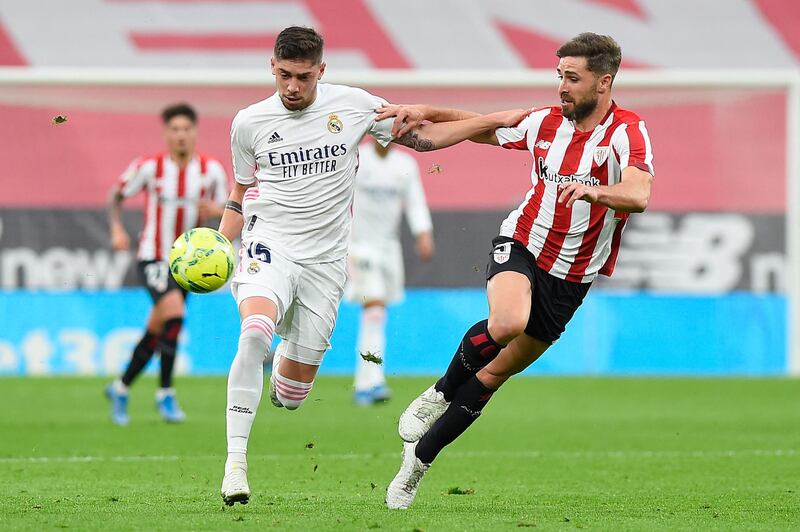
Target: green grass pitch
548,453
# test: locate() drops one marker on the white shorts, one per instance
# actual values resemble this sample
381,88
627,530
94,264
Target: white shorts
374,274
307,296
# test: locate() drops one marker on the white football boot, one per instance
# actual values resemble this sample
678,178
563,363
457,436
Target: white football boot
403,488
234,484
421,414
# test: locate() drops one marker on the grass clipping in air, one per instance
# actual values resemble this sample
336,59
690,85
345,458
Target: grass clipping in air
371,357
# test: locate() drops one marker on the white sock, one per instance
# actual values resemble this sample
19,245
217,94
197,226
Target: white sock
246,380
372,339
161,393
119,387
291,393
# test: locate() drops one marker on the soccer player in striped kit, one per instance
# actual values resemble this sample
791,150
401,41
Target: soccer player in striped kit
388,184
299,150
592,167
182,189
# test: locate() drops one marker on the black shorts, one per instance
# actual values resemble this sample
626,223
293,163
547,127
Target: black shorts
157,279
553,300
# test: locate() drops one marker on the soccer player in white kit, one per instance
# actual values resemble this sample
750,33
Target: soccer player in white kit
387,186
300,148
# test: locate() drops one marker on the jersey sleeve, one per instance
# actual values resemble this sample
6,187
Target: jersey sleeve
242,151
516,137
380,131
631,142
219,182
134,178
416,207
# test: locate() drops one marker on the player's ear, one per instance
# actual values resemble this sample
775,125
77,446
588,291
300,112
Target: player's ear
272,65
321,70
604,84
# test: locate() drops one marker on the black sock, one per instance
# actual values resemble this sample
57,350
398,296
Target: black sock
476,349
167,347
463,410
141,356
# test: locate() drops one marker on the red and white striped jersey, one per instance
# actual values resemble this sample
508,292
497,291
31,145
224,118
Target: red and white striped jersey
172,196
574,243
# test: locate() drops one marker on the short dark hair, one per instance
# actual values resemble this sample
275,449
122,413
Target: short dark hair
179,109
602,52
296,42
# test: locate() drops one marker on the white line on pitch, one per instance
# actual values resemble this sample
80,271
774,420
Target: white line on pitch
457,454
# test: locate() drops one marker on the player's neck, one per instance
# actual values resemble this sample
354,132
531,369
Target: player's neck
596,117
181,159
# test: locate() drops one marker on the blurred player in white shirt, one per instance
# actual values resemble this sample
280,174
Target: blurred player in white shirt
299,147
388,184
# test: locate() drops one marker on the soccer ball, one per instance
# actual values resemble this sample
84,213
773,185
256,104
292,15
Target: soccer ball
201,260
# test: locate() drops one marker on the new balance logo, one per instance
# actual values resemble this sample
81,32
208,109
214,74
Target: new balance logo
240,409
543,144
274,138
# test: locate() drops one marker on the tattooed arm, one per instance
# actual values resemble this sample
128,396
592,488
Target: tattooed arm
427,137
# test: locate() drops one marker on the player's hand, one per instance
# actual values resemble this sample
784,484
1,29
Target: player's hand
575,191
407,117
425,246
208,209
508,118
120,241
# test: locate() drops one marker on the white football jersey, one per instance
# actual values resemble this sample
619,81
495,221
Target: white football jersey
305,164
385,187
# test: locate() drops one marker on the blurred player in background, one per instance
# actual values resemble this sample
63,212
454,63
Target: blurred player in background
182,189
298,149
592,166
388,183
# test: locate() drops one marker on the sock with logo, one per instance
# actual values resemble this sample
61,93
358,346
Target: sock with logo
464,409
246,380
476,349
142,354
168,345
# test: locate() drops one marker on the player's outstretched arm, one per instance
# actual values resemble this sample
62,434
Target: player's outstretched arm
427,137
407,117
631,194
232,220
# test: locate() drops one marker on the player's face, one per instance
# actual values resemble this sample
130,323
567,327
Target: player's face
296,81
577,89
181,136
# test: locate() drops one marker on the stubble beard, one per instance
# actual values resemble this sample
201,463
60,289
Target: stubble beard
580,110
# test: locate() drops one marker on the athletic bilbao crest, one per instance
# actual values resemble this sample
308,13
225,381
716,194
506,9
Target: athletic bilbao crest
600,155
502,253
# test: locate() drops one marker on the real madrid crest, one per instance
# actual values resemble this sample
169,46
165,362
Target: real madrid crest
253,268
334,124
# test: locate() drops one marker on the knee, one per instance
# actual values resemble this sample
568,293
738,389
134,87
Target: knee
256,334
503,329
